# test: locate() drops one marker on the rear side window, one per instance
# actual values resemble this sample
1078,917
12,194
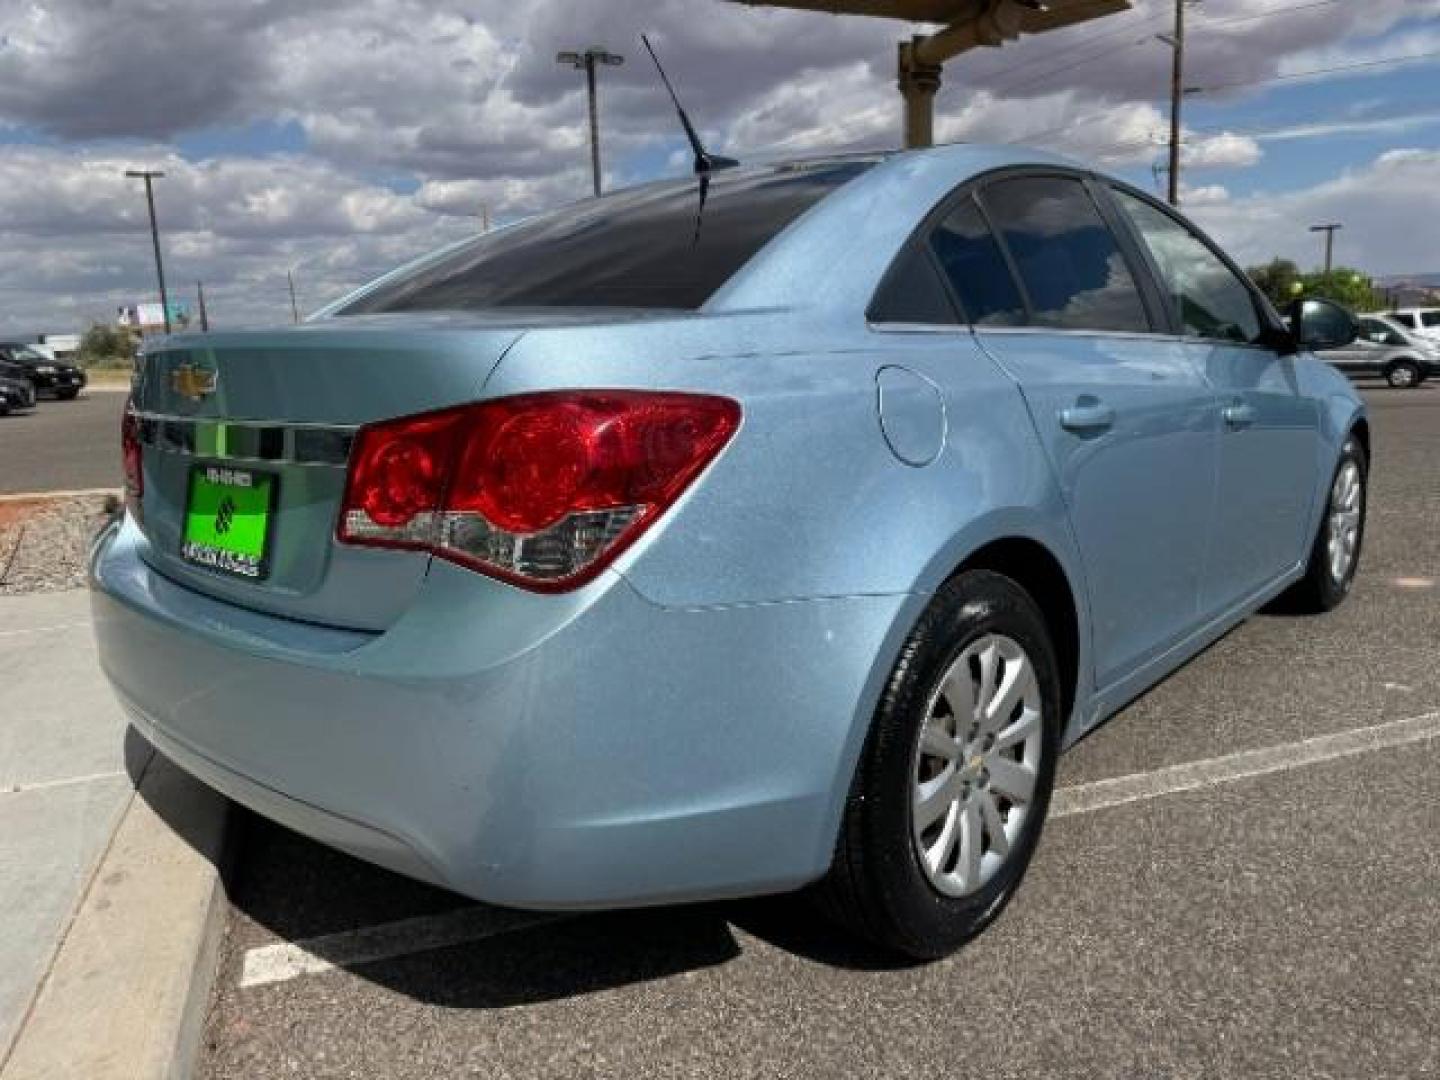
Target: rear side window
1071,264
976,268
1431,319
912,293
649,247
1209,298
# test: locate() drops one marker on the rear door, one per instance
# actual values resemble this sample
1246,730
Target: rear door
1268,439
1127,419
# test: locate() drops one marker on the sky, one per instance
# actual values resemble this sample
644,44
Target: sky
335,139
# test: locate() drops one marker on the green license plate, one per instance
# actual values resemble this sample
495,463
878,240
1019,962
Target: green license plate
227,520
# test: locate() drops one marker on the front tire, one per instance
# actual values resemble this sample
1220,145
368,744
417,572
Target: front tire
1335,554
954,781
67,395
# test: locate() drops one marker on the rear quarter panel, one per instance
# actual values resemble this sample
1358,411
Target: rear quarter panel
809,500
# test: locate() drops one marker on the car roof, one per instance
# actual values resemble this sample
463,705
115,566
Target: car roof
834,255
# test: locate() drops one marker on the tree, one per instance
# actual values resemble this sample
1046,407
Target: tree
1345,286
1277,280
105,345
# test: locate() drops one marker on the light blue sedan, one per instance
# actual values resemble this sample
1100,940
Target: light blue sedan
665,548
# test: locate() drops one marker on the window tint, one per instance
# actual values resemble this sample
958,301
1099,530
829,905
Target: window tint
1376,331
649,247
1430,318
976,268
1404,318
912,292
1070,262
1210,300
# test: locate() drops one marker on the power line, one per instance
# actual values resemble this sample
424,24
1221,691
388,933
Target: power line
1090,40
1270,13
1089,58
1315,71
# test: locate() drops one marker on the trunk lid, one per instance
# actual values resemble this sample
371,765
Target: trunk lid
278,409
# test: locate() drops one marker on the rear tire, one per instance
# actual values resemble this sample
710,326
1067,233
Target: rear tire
954,781
66,395
1335,554
1404,375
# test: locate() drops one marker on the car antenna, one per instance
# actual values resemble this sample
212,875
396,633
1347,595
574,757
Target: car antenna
705,162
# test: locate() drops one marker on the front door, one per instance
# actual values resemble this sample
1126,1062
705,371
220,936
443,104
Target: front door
1267,441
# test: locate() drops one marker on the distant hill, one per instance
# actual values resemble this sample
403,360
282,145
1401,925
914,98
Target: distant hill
1411,290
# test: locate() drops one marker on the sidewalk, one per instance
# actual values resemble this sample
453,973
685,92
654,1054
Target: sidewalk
110,901
63,785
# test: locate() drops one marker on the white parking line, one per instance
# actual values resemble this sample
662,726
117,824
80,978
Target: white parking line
288,960
1103,794
312,956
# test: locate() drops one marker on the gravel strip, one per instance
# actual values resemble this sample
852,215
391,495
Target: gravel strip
43,541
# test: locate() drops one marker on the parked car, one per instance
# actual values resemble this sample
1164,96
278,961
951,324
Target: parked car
726,538
1402,357
61,380
1423,321
15,394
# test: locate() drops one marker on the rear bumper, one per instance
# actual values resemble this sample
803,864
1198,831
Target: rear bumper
585,750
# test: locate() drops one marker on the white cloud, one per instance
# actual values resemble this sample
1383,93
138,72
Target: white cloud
416,115
1389,209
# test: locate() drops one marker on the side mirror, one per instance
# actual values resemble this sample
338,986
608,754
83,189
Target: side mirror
1322,324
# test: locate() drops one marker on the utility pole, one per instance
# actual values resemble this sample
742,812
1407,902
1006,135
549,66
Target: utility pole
1177,94
484,217
204,316
1329,231
294,308
586,62
150,175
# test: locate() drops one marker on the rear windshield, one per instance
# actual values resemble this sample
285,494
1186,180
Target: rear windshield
649,247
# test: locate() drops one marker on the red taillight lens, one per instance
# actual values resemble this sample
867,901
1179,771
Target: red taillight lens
132,457
543,490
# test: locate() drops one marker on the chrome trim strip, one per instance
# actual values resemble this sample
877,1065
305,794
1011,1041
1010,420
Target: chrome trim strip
249,441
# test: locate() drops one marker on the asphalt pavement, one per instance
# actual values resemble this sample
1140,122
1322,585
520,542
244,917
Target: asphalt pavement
63,445
1271,915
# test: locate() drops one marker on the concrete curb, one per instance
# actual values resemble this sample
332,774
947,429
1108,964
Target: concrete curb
128,991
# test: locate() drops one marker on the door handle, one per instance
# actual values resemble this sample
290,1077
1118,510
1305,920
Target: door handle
1238,416
1092,416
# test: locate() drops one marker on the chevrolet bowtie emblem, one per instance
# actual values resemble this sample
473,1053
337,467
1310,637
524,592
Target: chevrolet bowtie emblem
193,382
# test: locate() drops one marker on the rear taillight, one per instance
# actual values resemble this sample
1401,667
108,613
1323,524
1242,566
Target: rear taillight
132,458
542,490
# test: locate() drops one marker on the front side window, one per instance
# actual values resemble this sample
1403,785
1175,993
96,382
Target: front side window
1405,318
1376,331
1070,262
648,247
1209,298
976,268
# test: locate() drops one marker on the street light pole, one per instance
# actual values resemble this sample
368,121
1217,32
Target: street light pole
586,62
1329,231
150,175
294,307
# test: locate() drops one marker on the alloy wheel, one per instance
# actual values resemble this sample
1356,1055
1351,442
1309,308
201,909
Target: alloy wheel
1344,525
976,764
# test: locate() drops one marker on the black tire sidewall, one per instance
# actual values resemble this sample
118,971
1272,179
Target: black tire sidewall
969,606
1333,592
1416,378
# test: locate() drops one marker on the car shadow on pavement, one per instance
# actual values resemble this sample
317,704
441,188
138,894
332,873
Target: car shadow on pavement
285,887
